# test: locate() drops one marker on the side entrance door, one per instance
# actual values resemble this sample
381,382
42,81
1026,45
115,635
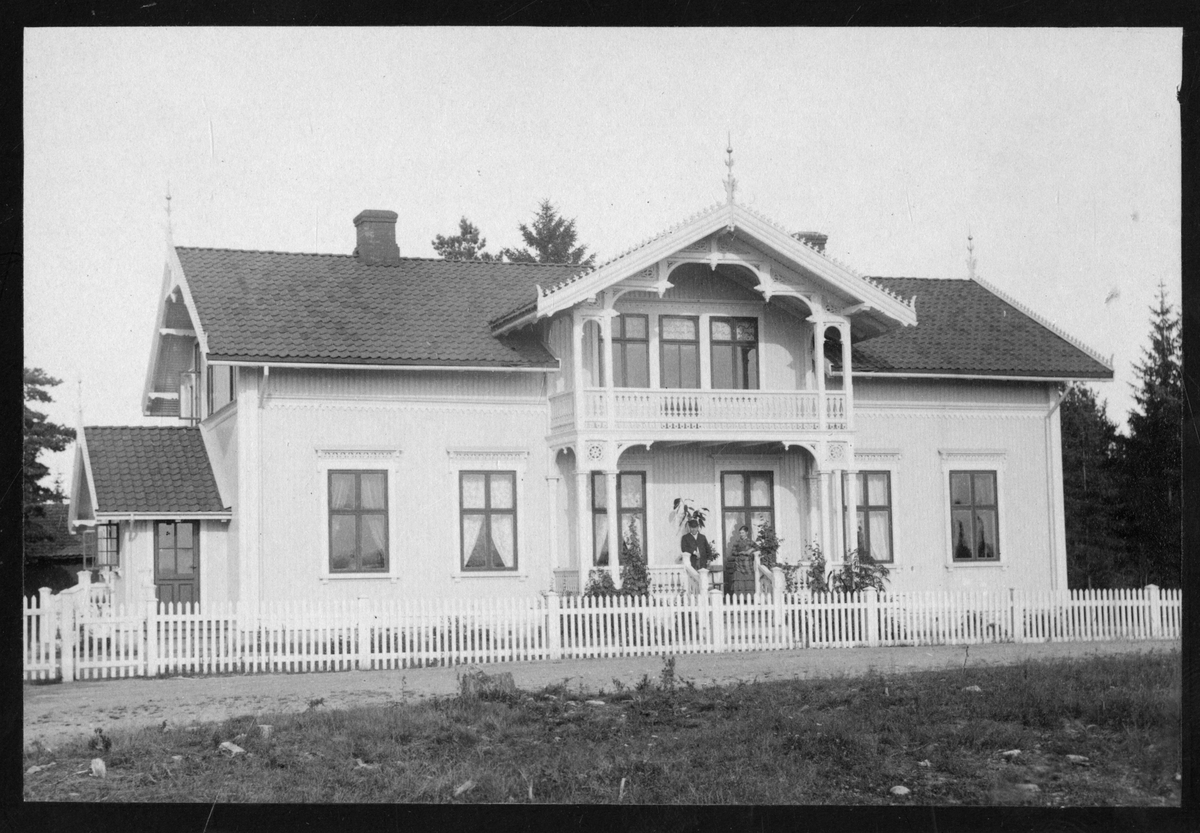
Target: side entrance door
177,561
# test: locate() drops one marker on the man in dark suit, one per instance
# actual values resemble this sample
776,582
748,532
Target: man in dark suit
696,546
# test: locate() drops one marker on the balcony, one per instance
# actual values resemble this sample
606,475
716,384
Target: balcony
666,413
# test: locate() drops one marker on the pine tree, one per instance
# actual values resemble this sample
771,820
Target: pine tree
552,239
1151,455
466,245
1091,496
40,435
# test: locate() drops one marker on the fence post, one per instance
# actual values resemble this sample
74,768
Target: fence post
553,626
1155,599
872,617
777,587
150,606
362,659
1016,605
718,619
68,639
48,624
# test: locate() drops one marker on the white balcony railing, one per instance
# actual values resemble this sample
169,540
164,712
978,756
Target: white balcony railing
648,409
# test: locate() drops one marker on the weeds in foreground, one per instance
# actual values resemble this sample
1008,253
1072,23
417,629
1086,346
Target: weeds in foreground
843,741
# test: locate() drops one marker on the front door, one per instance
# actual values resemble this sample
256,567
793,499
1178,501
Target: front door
177,561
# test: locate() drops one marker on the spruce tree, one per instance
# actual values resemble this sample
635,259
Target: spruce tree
40,435
552,240
1151,455
466,245
1091,493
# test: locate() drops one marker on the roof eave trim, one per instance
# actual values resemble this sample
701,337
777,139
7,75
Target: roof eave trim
223,515
1048,324
828,267
905,374
173,277
260,362
635,259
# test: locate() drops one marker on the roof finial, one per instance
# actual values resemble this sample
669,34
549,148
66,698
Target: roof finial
168,207
730,182
970,255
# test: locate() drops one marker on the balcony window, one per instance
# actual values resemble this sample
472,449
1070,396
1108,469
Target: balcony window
679,346
734,353
631,351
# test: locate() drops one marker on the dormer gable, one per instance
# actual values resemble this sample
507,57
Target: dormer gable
781,264
176,344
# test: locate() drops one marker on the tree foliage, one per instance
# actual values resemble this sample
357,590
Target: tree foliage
466,245
40,435
550,239
1151,455
1091,492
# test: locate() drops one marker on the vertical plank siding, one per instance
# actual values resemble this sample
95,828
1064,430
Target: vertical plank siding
100,641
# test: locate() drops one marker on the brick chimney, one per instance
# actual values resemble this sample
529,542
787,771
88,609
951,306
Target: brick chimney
377,238
812,238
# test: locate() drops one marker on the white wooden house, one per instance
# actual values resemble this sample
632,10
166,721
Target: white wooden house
381,426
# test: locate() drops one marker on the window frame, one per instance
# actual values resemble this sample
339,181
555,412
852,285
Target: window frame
748,508
664,342
868,508
487,512
358,513
735,344
975,507
108,532
355,459
209,369
622,512
986,461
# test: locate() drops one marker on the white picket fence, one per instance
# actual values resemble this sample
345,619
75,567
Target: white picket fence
100,640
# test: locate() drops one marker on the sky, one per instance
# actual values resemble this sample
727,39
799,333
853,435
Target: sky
1058,150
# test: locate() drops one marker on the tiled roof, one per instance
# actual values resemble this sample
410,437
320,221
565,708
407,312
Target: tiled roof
65,545
258,306
963,328
151,469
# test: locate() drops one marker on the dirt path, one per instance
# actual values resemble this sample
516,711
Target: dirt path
62,712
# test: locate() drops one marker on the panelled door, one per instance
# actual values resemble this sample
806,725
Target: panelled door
177,561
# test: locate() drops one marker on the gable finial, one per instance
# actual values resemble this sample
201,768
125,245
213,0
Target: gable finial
169,207
970,255
730,182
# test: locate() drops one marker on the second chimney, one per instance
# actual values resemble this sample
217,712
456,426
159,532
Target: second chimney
812,238
377,238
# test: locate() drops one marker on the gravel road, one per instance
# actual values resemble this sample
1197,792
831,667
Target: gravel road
61,712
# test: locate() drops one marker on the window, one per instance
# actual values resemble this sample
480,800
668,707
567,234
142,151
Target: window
358,524
734,353
875,514
747,499
108,548
679,348
974,517
631,502
631,351
488,515
220,386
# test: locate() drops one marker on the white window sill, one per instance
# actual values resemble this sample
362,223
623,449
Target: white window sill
973,564
459,576
325,579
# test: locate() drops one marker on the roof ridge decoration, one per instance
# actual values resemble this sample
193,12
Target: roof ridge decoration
1045,322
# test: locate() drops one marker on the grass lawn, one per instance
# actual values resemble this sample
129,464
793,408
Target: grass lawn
840,741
